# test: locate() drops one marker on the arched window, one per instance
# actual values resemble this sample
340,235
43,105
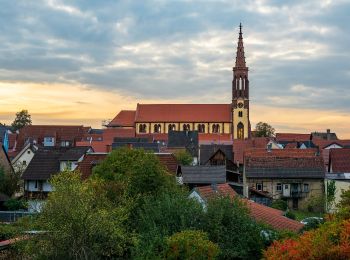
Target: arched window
216,128
201,128
240,131
240,113
171,127
186,127
157,128
142,128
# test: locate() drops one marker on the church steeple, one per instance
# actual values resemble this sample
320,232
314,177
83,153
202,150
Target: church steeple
240,93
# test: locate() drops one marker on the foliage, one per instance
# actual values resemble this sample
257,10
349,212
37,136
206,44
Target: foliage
279,204
161,217
191,245
316,203
228,224
312,223
184,157
344,205
23,118
138,172
80,222
330,241
264,130
331,190
290,214
302,214
9,181
15,204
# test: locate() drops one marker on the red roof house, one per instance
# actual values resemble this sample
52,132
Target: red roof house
339,160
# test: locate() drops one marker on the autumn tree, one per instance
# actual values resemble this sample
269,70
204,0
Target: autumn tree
264,130
23,118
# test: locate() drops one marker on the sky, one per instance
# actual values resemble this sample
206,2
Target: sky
80,62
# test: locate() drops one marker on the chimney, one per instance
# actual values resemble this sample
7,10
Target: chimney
328,134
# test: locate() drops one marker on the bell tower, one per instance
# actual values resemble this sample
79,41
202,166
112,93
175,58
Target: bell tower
240,94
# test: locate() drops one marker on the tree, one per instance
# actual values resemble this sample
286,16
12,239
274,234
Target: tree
80,222
229,225
331,190
22,119
9,181
191,245
184,157
264,130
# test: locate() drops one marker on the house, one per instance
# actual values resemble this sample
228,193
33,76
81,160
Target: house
295,175
184,139
292,137
341,182
170,163
24,157
324,135
136,142
339,161
272,217
203,175
90,160
48,161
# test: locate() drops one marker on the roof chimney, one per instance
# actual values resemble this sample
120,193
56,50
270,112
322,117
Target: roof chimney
328,134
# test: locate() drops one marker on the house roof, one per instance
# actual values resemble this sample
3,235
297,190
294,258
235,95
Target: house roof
187,139
207,151
75,153
89,161
339,160
25,148
154,147
44,164
293,137
324,135
215,138
284,163
240,146
169,161
183,113
124,118
322,144
260,213
203,174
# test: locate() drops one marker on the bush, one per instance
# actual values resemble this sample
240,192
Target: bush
184,158
290,214
279,204
191,245
14,204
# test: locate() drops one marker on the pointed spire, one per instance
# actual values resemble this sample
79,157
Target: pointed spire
240,59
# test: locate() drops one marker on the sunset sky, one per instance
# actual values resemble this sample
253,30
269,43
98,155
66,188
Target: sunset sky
80,62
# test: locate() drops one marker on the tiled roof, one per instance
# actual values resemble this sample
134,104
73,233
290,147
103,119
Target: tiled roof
169,161
203,174
124,118
325,143
89,161
75,153
285,163
215,138
44,164
339,160
260,213
292,137
183,113
207,151
12,140
240,146
59,132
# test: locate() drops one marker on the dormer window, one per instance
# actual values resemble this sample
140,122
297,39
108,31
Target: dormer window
49,141
65,143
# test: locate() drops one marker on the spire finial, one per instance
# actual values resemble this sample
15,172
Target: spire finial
240,28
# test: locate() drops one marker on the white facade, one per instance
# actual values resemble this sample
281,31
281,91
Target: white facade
37,185
22,160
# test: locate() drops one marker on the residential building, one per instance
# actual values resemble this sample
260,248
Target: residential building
295,175
203,175
24,157
341,183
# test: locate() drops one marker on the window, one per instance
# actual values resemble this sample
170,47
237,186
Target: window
28,152
186,127
142,128
157,128
216,128
240,131
201,128
171,127
306,187
279,187
65,143
240,114
24,163
36,184
259,186
49,141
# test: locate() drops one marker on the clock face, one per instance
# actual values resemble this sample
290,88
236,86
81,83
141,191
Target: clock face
240,105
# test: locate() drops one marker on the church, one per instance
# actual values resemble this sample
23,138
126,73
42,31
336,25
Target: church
214,122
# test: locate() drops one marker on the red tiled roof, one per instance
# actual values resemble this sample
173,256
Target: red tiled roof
169,161
260,213
183,113
291,145
339,160
291,137
240,146
124,118
89,161
214,138
321,143
282,153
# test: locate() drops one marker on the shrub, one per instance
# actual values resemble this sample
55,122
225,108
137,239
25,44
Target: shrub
191,245
184,157
279,204
14,204
290,214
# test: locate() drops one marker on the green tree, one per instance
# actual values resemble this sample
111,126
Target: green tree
81,223
331,190
229,225
191,245
22,119
264,130
184,157
343,206
9,181
138,172
161,217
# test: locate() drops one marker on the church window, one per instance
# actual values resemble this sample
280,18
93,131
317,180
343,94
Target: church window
186,127
216,128
171,127
142,128
201,128
240,113
157,128
240,131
